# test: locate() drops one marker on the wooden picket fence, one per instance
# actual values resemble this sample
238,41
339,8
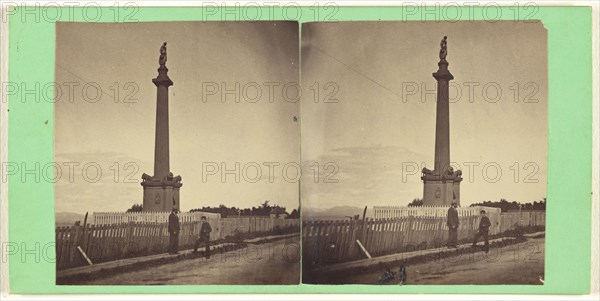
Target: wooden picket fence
323,241
109,218
232,225
326,242
392,212
110,242
437,211
335,241
510,220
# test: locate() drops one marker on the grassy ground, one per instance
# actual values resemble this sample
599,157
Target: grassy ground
275,262
520,263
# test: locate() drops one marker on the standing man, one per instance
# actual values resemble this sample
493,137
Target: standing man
452,223
173,232
484,228
204,237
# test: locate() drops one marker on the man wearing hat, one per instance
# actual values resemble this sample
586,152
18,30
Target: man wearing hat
452,223
484,228
173,232
204,237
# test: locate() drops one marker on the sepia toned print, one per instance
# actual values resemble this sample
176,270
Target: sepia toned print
435,139
177,173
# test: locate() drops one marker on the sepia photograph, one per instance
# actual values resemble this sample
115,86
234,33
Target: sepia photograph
179,148
429,143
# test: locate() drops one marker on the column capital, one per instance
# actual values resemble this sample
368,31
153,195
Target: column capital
443,73
162,79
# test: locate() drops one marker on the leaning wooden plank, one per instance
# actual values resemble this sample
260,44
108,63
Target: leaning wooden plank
84,255
363,249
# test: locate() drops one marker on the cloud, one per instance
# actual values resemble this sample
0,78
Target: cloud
370,175
101,181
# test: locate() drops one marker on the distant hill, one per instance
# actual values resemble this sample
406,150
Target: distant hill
333,213
68,218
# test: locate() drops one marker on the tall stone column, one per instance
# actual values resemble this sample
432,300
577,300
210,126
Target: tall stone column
161,191
442,118
442,184
161,142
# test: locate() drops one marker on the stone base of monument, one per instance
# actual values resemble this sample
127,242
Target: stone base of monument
161,198
161,194
438,192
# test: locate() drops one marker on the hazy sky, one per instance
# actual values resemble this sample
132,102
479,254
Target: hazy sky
376,136
375,133
263,57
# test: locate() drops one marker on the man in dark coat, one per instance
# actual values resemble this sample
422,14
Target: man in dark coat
452,223
173,232
484,228
204,237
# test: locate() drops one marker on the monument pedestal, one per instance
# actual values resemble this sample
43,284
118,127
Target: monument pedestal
161,195
441,191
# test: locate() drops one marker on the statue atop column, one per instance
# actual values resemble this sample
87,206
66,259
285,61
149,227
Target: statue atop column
443,49
162,60
162,78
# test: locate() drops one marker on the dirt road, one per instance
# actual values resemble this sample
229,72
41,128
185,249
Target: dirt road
521,263
276,262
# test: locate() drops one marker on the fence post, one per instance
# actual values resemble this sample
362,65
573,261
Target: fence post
128,237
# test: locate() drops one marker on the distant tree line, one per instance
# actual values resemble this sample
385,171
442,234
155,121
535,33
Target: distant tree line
416,203
264,209
505,205
135,208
